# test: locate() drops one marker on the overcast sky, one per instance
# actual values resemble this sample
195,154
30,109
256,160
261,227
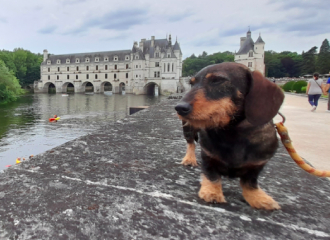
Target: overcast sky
75,26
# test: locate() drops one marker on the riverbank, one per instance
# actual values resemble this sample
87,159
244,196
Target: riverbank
125,181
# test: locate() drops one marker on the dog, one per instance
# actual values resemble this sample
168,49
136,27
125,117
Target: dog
229,110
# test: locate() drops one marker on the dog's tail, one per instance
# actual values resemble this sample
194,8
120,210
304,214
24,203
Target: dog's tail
283,132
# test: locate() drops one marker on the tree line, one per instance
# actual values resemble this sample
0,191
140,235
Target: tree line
278,65
18,68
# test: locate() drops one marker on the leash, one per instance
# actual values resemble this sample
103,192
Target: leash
283,132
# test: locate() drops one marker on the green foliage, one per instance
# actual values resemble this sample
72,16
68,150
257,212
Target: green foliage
309,61
303,89
288,86
297,86
193,64
9,85
24,64
323,59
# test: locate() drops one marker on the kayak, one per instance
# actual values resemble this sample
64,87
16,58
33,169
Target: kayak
54,119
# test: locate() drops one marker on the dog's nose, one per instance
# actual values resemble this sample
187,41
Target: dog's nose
183,109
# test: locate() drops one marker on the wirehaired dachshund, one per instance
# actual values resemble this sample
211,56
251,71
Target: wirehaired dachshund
230,110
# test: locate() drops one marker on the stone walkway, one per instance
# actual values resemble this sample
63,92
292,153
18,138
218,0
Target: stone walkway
309,131
125,181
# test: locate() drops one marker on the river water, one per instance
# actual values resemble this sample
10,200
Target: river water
25,129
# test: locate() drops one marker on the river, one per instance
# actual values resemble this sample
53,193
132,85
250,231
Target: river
25,129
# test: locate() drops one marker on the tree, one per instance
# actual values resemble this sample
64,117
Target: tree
9,85
323,60
309,61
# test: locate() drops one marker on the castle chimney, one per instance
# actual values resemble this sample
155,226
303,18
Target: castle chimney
152,41
45,55
242,41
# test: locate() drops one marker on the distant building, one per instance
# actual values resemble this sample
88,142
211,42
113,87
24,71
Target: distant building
252,54
153,65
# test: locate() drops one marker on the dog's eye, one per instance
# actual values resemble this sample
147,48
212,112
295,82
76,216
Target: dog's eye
216,80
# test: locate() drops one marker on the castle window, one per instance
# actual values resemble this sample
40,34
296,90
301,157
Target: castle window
169,55
87,60
48,77
164,67
156,64
137,66
115,66
106,76
115,58
67,76
168,67
76,76
136,57
95,76
106,59
106,67
96,59
77,60
87,76
136,76
77,68
68,61
172,67
250,54
115,76
58,61
48,69
87,68
48,62
127,58
67,68
158,74
249,64
57,77
97,67
126,66
157,55
126,75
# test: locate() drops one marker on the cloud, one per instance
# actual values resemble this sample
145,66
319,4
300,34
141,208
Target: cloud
180,16
3,20
47,30
119,20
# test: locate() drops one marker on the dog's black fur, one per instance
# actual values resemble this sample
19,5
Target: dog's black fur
231,110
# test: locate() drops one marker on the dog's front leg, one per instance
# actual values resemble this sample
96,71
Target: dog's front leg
190,134
253,194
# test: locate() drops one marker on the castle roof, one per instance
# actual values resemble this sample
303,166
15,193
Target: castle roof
247,46
259,40
176,46
121,54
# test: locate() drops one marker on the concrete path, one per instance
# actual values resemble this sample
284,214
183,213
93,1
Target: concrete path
309,131
125,181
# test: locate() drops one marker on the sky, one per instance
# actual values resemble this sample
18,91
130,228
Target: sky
78,26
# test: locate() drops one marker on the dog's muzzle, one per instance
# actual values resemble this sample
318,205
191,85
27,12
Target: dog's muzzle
183,108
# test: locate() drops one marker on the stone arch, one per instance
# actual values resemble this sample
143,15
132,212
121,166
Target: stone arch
151,89
68,87
88,87
122,87
106,86
49,87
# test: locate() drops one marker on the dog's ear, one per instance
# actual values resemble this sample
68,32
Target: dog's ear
263,100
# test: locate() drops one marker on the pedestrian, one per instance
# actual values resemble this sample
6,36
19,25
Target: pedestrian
314,90
327,90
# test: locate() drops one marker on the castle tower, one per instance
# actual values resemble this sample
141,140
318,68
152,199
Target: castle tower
45,55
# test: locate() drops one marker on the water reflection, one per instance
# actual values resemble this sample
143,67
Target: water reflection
25,129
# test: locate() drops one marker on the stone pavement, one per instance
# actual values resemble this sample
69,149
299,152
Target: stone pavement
125,181
309,131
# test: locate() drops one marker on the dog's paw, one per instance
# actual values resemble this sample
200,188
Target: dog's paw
257,198
211,191
189,161
211,196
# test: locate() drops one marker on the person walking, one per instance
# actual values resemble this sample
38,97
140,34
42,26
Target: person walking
314,90
327,89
